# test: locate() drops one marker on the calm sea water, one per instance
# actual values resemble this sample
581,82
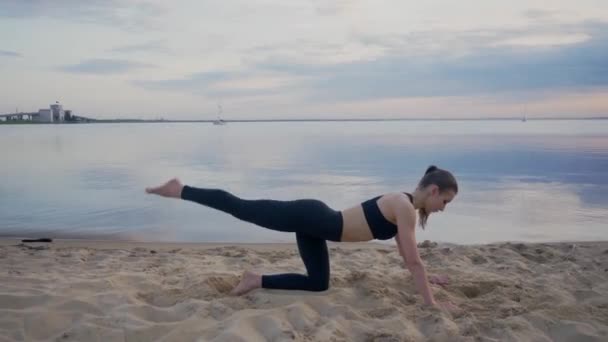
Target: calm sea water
532,181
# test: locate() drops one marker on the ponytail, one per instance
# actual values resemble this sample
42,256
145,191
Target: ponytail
431,168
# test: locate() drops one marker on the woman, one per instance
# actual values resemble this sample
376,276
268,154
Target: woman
383,217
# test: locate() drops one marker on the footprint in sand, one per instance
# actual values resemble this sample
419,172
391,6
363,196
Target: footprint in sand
478,259
479,289
212,287
162,315
17,302
381,313
383,337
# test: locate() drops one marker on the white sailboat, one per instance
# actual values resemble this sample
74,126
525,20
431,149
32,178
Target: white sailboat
219,121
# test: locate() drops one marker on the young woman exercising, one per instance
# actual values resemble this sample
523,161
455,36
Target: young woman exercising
382,217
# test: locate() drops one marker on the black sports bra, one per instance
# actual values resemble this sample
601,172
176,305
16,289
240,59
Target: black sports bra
382,229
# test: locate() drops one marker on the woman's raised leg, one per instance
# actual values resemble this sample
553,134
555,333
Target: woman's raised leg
309,216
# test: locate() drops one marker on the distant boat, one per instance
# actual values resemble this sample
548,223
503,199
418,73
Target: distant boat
219,121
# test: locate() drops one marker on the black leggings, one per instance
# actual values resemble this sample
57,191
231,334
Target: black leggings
312,221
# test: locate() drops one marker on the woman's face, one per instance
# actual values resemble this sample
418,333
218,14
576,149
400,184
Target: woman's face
436,200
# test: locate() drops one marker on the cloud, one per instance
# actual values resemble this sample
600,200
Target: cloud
544,55
539,14
223,84
198,81
6,53
333,8
150,46
121,13
430,63
103,66
471,65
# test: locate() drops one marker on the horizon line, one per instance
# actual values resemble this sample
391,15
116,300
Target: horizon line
357,119
161,119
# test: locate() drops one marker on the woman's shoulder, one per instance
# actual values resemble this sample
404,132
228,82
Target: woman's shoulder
397,202
397,197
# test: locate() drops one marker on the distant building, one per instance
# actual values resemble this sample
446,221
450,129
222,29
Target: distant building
44,115
57,111
54,114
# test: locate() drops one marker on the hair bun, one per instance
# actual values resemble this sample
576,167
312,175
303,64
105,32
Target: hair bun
431,168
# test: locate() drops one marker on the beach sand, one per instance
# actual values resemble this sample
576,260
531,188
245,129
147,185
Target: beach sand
128,291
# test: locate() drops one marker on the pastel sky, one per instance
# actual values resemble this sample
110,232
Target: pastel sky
306,59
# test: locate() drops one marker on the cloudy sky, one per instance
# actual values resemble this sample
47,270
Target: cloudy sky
306,59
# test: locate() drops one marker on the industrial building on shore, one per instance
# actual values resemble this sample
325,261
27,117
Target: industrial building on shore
54,114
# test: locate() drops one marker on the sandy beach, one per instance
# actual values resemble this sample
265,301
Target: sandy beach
128,291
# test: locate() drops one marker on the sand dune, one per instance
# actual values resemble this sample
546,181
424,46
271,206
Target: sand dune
121,291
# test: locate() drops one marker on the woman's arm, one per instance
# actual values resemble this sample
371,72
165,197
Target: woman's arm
406,243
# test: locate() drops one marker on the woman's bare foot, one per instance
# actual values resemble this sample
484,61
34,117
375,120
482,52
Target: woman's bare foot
172,188
249,281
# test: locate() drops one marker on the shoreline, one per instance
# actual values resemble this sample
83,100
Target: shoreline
85,242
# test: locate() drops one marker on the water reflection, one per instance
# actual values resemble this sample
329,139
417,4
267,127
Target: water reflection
533,182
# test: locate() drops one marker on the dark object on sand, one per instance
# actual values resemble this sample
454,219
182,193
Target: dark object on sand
37,240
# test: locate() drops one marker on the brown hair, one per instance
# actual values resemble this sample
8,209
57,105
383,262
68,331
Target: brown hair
443,179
